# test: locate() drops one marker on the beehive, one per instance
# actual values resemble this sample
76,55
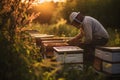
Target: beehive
47,47
39,36
50,39
107,60
72,55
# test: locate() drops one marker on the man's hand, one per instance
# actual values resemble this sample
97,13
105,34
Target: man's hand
74,42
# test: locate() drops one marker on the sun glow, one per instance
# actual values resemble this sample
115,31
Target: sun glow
42,1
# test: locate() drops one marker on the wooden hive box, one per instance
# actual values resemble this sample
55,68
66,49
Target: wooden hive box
47,47
107,60
49,39
52,39
39,36
71,55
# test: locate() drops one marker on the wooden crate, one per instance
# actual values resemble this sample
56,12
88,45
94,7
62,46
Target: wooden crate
111,54
53,39
69,54
47,47
50,39
39,36
107,60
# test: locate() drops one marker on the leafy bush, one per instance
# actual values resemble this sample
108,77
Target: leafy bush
63,30
17,52
76,74
114,37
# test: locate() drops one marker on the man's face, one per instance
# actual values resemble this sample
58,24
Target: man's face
76,24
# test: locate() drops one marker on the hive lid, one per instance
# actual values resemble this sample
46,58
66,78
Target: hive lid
42,35
53,41
62,49
50,38
53,44
111,49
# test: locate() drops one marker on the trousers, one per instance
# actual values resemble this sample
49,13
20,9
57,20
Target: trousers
89,49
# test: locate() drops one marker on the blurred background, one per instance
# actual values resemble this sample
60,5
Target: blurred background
51,11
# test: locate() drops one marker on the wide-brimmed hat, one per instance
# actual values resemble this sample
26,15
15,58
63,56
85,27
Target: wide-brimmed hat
73,16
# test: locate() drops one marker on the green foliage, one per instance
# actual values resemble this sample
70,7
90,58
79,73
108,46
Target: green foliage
46,70
114,37
17,50
76,74
16,59
19,57
63,30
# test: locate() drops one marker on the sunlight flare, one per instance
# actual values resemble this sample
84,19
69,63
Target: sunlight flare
42,1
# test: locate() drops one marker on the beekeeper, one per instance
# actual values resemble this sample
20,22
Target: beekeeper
92,33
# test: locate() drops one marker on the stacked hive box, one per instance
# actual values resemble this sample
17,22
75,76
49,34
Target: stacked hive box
47,42
32,33
39,36
71,55
53,39
47,46
107,60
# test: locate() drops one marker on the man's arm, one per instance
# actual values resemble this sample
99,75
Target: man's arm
76,39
